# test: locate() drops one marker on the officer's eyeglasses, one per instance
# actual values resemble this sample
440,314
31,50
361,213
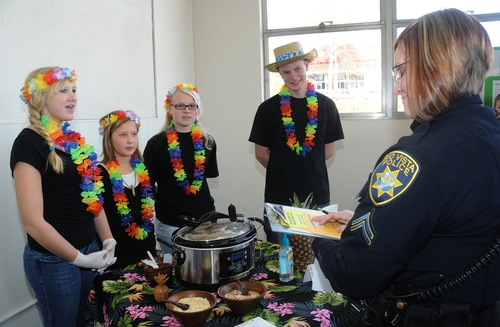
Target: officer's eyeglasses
182,106
398,71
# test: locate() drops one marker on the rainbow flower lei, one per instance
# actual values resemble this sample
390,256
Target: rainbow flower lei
289,125
121,201
41,82
84,156
110,119
176,158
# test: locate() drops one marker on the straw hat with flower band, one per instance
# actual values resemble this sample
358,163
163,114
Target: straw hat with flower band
289,53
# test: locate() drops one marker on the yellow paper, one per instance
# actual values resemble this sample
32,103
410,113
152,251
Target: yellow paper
301,219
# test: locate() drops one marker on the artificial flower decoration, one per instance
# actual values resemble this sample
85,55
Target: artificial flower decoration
173,90
110,119
289,125
84,156
176,158
41,82
127,221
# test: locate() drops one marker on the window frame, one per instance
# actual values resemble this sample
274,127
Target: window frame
388,26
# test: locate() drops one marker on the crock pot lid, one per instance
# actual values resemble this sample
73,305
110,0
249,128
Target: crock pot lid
209,231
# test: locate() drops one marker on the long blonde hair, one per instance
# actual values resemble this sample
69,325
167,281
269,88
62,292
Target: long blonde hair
35,106
207,137
448,54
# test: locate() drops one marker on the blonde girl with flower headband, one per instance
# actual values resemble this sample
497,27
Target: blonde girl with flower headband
128,191
179,159
59,195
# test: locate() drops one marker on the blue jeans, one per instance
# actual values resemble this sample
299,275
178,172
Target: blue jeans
61,288
165,232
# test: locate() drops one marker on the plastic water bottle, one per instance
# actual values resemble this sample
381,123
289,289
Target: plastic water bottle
286,260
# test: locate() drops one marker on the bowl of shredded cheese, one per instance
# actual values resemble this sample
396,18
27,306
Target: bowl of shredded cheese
242,303
200,304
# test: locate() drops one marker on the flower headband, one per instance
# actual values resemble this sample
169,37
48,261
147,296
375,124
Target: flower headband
173,90
41,82
110,119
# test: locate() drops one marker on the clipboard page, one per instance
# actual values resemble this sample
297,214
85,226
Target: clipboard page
294,220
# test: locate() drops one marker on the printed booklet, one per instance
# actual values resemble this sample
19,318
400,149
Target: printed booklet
295,220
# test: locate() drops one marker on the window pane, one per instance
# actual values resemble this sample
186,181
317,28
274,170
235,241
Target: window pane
414,9
299,13
493,29
347,69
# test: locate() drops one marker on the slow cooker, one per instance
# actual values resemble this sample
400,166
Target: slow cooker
210,251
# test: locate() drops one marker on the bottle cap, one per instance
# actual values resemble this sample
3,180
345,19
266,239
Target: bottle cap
284,241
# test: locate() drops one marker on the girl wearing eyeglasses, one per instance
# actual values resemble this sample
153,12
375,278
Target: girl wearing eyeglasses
179,159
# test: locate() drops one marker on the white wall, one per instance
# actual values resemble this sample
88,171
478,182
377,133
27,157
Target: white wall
173,62
217,45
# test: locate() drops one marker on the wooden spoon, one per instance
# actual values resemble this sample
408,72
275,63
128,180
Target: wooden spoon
183,306
243,289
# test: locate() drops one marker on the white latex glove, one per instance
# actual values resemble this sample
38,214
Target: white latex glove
109,245
95,260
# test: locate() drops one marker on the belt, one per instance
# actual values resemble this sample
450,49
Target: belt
451,315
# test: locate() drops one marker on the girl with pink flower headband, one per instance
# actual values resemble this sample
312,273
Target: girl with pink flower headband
179,159
59,195
128,198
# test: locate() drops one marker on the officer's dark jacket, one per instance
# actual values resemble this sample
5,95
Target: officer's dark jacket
431,204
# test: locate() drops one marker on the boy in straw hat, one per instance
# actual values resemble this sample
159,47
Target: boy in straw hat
294,134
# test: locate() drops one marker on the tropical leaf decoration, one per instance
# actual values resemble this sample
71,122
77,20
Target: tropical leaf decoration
335,299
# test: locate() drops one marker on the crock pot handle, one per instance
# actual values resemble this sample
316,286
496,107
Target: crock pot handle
179,256
232,213
164,241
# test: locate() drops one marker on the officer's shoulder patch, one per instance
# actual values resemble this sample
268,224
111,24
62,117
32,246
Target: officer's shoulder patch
392,177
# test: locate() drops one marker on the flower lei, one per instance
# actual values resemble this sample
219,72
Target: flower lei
84,156
289,125
41,82
176,159
110,119
127,221
173,90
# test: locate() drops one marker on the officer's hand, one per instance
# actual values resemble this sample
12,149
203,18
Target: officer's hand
341,217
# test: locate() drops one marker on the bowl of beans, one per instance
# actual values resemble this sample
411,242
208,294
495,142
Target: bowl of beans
200,304
242,303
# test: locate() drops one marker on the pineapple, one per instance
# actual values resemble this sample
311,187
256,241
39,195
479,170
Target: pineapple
303,254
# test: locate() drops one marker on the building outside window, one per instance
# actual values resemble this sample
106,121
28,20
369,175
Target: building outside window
354,43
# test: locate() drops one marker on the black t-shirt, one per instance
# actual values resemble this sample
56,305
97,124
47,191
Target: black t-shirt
62,201
288,172
128,249
171,200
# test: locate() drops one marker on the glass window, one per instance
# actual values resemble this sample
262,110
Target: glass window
493,29
354,42
299,13
348,67
414,9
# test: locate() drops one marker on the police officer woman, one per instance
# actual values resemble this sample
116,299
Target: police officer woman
413,250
